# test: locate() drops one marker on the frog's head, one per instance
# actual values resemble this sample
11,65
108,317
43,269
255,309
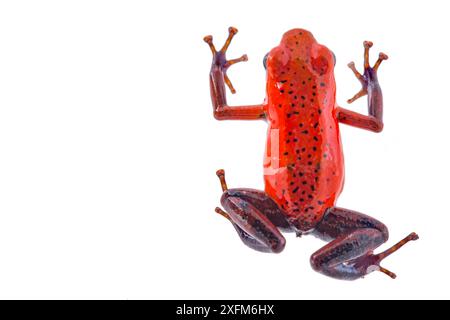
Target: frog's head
299,53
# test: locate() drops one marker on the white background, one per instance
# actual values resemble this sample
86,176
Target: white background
108,148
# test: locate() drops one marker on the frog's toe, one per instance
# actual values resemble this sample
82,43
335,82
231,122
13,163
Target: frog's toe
233,61
382,56
360,94
231,32
358,75
209,40
361,79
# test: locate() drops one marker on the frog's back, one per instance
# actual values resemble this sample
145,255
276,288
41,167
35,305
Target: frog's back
303,166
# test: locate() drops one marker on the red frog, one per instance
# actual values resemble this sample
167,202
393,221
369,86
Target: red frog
303,164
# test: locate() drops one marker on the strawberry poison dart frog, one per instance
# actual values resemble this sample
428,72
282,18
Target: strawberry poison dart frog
303,163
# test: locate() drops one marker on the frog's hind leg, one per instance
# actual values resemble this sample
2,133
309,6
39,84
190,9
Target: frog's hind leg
255,217
353,237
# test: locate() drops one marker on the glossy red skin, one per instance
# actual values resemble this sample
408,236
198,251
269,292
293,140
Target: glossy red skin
303,165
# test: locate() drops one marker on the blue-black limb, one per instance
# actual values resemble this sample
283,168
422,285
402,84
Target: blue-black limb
255,216
353,237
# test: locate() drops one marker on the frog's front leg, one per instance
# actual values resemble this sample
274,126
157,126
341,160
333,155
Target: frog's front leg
371,88
218,78
255,217
353,237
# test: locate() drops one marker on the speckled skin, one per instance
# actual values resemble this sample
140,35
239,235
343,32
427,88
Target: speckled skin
303,166
303,163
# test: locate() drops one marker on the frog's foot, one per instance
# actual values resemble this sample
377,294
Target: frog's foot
376,259
370,73
219,57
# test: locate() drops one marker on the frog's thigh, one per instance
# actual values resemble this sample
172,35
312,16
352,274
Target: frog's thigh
340,221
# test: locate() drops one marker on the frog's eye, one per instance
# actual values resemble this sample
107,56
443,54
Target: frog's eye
334,57
265,61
